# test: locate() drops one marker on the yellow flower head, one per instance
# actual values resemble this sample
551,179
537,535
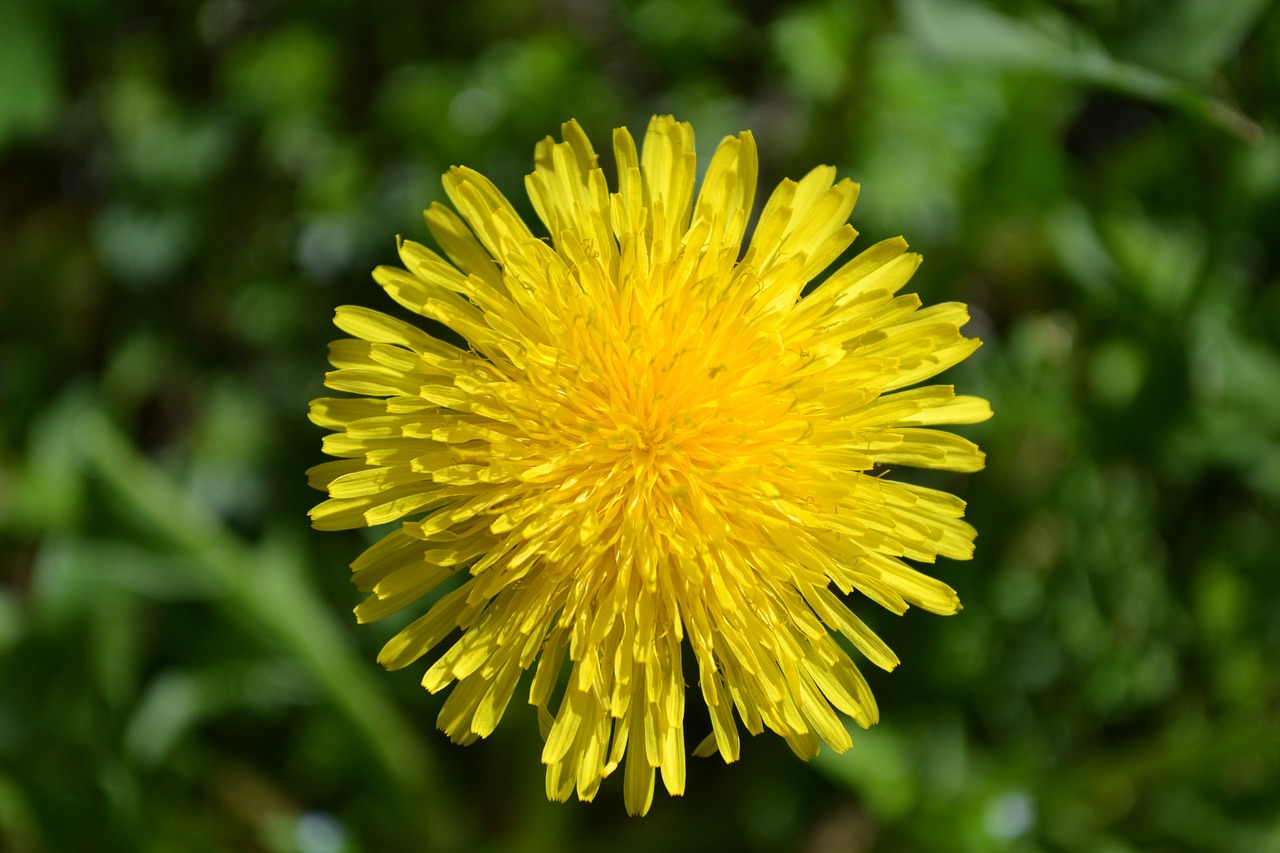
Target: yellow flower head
652,445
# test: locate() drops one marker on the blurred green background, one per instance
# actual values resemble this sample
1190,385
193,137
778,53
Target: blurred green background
187,190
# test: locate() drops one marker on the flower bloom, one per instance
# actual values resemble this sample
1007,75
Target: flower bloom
653,445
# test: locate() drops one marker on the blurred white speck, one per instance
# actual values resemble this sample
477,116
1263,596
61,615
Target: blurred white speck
142,248
1056,334
319,832
474,111
1010,815
325,248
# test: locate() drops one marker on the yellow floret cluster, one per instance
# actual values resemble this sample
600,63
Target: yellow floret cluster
653,446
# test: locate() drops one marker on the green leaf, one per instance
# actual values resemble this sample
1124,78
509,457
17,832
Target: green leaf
177,701
1193,38
967,33
877,768
269,588
29,95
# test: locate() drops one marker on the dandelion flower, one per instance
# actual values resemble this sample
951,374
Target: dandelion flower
654,444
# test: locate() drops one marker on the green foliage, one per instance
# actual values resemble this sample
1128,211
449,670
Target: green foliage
190,190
